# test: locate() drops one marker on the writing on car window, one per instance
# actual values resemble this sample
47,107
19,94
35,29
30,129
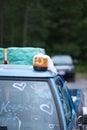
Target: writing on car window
27,105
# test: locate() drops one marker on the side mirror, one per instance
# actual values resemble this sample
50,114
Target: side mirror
82,118
84,115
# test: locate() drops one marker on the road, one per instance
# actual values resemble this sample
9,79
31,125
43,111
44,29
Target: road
80,83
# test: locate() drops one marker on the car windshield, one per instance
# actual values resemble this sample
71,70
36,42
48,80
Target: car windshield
27,105
62,60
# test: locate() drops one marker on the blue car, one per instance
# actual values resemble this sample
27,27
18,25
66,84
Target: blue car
37,98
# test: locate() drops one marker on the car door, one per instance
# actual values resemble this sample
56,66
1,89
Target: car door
68,109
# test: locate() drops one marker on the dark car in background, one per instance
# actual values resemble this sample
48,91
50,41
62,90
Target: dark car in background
65,66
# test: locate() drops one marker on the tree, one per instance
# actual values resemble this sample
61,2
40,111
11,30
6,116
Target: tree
56,25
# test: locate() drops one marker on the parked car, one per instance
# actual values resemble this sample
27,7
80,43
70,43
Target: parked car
65,66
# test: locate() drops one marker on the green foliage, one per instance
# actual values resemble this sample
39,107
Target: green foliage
67,48
59,26
81,67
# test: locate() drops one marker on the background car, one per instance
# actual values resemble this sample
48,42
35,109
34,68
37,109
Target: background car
65,66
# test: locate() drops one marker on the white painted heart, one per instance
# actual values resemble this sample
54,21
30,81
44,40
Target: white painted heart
19,86
48,108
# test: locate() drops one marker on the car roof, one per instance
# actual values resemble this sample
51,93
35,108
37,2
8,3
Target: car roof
61,55
23,71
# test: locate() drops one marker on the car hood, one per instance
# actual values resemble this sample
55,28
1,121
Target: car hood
61,67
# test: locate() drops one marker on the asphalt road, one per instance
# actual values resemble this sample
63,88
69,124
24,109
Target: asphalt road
80,83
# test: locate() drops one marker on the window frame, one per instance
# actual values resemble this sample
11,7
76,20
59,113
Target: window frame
72,120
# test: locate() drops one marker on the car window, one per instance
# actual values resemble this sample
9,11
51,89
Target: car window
62,88
62,60
27,105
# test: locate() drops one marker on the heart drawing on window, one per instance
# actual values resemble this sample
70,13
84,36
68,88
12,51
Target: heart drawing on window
48,108
19,86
